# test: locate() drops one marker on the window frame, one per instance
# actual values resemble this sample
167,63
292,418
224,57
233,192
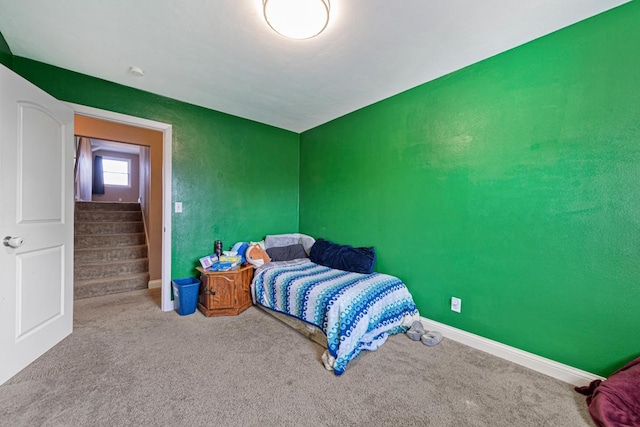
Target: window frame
117,159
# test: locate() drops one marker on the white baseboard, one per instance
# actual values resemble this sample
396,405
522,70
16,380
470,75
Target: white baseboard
549,367
153,284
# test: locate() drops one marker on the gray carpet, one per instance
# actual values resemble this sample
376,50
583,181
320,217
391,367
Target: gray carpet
129,364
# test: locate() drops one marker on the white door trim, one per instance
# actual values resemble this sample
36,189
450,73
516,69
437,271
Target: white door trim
166,129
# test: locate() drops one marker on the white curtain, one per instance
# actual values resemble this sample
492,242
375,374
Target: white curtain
84,170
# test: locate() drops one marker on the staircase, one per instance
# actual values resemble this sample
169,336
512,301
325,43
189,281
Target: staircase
110,249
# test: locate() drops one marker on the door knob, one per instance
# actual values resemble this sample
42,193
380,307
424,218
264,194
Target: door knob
13,242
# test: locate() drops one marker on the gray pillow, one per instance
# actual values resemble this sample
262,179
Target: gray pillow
287,253
277,240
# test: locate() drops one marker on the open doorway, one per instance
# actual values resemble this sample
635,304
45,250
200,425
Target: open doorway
118,128
139,152
114,245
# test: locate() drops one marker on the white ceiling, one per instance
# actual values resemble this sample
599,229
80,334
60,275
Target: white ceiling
222,55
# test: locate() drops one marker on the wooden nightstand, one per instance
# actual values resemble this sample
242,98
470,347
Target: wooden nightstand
225,293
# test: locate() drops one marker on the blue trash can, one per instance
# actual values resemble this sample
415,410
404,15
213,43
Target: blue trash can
185,295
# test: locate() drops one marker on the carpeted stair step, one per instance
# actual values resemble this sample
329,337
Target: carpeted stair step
110,249
110,269
107,206
98,287
108,216
106,254
108,240
108,227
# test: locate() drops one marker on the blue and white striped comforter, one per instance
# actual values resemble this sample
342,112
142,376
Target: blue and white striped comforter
356,311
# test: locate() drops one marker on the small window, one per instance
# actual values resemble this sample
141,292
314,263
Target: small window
116,172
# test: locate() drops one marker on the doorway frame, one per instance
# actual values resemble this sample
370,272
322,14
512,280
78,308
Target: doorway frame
167,132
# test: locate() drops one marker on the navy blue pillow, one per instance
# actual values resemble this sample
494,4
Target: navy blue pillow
343,257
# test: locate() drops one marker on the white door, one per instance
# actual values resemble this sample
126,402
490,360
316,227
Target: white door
36,208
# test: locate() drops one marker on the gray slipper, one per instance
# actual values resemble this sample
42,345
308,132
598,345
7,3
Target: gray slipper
416,331
431,338
417,326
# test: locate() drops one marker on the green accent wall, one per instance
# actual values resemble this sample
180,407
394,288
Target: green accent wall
237,179
6,57
513,184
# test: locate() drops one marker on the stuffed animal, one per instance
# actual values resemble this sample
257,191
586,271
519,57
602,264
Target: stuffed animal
256,255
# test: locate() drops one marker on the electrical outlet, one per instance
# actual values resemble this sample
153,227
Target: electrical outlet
456,304
178,208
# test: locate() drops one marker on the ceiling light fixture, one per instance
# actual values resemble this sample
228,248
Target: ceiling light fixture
297,19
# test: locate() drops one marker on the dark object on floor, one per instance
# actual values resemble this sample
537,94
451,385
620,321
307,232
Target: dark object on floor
615,402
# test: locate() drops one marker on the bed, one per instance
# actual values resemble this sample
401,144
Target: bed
355,311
